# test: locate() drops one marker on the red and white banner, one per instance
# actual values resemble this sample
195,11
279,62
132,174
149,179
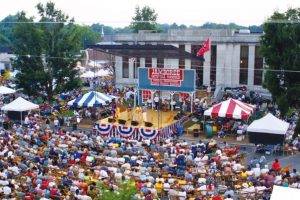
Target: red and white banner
165,77
231,108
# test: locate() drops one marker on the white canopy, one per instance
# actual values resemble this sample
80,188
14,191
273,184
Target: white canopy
6,90
88,74
103,72
20,105
269,124
279,193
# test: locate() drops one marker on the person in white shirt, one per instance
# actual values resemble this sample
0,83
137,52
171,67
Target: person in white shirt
256,170
156,102
182,194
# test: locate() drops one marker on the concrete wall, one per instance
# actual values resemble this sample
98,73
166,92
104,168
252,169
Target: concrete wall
228,52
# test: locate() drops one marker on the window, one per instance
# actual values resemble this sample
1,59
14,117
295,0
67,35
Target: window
197,64
244,65
258,66
136,66
148,62
146,95
181,63
125,71
213,64
160,62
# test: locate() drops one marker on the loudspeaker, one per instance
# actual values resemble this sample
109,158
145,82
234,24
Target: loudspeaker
134,123
111,120
121,121
148,124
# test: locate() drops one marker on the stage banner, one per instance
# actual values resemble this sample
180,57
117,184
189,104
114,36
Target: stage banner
178,80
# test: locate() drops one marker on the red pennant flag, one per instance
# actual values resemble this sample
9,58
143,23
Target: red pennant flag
205,48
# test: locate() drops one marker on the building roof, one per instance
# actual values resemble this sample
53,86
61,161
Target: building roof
147,50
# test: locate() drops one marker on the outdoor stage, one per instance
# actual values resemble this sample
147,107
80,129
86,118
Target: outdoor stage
163,125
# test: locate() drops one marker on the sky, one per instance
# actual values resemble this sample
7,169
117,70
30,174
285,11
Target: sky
118,13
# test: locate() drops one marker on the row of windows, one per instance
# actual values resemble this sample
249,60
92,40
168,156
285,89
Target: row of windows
197,64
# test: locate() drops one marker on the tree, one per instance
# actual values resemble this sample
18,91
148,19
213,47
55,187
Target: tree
46,52
280,48
89,36
125,191
144,19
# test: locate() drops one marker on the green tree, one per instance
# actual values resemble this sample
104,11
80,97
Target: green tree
125,191
89,36
281,50
46,52
144,19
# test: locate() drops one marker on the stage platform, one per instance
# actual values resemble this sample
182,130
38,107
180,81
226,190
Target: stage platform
163,124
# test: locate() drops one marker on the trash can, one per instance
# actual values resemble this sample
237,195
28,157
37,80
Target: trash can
209,131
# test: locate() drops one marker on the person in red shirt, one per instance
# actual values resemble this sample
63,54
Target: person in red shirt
276,165
217,197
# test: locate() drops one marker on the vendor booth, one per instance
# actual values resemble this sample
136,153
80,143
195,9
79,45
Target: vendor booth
92,99
231,108
20,105
6,90
267,130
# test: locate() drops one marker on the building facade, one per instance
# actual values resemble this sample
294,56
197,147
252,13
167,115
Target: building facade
233,60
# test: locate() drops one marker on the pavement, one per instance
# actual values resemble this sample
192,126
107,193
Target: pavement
246,146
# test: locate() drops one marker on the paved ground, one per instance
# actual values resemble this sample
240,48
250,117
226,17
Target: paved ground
293,160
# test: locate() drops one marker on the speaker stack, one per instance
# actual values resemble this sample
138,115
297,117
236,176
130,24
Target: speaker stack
134,123
148,124
121,121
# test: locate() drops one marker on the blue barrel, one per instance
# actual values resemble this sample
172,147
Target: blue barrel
209,131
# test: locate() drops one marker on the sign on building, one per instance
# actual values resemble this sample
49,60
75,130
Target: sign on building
178,80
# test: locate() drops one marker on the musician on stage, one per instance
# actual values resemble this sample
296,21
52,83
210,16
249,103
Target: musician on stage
144,113
129,111
138,110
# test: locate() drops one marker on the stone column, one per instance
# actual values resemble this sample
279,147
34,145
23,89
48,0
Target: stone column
251,61
206,68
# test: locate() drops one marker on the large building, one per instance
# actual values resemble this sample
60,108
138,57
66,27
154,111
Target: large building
233,60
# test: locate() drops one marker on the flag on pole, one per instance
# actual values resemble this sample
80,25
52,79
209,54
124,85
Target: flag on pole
205,48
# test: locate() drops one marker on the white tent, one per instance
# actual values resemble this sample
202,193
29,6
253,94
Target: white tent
20,105
88,74
6,90
269,124
103,72
280,193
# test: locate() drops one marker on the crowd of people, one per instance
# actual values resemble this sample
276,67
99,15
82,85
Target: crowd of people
60,164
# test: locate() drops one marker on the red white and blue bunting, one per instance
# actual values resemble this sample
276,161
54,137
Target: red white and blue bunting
125,131
129,132
104,129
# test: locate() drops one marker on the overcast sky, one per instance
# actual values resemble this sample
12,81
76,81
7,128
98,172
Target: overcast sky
118,13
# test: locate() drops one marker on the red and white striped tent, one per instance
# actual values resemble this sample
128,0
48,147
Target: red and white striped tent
231,108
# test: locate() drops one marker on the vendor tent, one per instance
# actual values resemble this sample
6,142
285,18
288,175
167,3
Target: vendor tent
267,130
279,193
88,74
6,90
231,108
103,72
20,105
92,99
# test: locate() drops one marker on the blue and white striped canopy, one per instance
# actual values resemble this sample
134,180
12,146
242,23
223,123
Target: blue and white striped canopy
92,99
